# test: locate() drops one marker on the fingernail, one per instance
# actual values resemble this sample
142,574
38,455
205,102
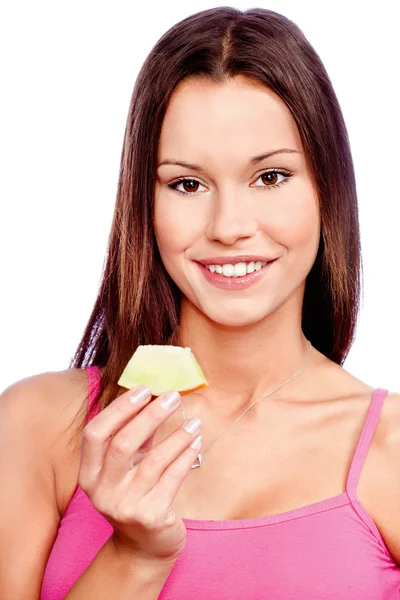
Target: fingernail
192,425
170,400
138,394
196,444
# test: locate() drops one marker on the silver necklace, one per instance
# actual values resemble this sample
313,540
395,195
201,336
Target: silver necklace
199,459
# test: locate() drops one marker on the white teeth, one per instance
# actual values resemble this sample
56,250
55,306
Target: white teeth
238,270
228,270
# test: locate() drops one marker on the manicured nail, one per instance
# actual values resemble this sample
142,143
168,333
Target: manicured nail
170,400
196,444
192,425
138,394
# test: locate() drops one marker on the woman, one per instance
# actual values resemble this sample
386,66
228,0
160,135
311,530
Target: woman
235,233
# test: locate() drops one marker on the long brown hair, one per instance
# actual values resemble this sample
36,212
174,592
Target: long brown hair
138,303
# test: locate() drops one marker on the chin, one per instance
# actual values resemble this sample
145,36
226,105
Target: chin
238,316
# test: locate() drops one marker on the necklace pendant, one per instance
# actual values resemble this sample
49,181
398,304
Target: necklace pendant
197,462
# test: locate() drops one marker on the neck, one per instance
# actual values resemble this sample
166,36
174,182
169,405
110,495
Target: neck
242,363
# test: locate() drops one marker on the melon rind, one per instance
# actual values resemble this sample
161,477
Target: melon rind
163,368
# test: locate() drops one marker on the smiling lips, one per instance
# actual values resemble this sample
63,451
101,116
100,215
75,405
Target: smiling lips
236,270
235,276
233,260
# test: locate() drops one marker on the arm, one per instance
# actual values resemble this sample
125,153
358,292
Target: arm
28,512
119,575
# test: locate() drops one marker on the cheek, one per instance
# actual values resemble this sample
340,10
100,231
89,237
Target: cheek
304,227
295,222
174,226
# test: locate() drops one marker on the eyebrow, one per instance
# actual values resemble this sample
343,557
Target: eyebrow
253,160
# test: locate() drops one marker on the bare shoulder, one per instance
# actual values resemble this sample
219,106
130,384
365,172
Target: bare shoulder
379,484
387,435
46,400
380,488
44,407
386,443
388,427
47,381
34,416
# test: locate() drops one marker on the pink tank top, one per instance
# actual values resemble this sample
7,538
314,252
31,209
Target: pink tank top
327,550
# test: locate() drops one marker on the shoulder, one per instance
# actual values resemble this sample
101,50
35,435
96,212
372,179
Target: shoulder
386,441
382,486
46,398
40,411
34,414
387,434
390,416
379,484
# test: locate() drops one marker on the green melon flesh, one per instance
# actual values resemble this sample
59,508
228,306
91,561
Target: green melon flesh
163,368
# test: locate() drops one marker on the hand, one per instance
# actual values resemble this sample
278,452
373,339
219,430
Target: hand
132,484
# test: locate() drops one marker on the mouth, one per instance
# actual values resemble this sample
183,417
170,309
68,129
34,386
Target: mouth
229,281
233,260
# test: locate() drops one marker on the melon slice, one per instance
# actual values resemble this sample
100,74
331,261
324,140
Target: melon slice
163,368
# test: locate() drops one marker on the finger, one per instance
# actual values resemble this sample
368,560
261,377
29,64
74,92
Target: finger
159,459
121,457
164,492
101,429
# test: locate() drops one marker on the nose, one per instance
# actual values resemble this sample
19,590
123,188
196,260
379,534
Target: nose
232,217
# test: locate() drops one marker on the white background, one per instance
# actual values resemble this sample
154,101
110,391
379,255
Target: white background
67,74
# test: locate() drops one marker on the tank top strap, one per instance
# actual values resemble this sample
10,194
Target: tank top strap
365,439
94,380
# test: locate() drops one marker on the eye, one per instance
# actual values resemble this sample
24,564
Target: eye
269,177
190,186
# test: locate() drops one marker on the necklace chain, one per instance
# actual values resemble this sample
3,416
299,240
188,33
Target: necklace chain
200,456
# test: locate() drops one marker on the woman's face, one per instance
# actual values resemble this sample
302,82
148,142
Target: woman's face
228,204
